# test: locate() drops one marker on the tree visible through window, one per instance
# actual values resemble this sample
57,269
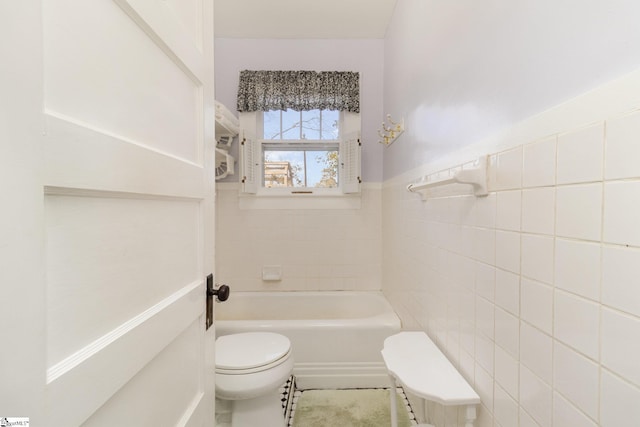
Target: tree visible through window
300,148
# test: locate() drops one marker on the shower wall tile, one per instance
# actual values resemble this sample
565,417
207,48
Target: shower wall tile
535,397
539,163
552,258
506,408
509,170
566,414
507,287
578,267
579,211
618,401
317,249
538,210
537,257
577,378
622,210
536,351
508,251
621,344
622,149
620,273
536,304
580,155
507,371
577,323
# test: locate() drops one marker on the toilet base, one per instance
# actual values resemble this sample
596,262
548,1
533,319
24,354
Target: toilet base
260,411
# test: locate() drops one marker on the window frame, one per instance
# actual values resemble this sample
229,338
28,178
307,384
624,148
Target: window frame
252,183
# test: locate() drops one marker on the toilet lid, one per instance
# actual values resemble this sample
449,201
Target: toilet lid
250,350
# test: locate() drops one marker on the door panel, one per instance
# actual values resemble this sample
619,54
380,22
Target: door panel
128,193
174,389
129,87
109,259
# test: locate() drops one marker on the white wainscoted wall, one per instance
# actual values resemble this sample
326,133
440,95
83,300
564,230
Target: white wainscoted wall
317,249
533,291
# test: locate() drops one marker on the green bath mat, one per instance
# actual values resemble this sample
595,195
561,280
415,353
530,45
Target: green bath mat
347,408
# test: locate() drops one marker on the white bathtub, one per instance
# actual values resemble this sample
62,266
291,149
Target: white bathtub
336,336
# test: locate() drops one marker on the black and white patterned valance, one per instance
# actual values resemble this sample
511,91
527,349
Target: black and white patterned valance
299,90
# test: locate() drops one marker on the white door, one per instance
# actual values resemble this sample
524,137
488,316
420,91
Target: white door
108,231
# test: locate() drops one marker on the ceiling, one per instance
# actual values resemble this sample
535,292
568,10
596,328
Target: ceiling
303,19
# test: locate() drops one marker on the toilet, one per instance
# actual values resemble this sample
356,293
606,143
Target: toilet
250,367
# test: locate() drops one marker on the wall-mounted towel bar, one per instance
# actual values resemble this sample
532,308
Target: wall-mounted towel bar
476,177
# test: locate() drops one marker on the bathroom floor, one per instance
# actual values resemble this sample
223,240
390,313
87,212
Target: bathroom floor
291,396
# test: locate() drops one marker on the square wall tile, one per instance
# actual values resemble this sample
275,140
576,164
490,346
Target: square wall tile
485,280
539,210
565,414
509,169
536,304
508,250
484,352
577,378
537,258
622,147
483,385
536,351
508,332
577,267
580,155
485,211
621,344
508,210
618,402
535,397
577,323
485,317
621,213
507,371
505,408
484,245
539,163
620,273
508,291
579,211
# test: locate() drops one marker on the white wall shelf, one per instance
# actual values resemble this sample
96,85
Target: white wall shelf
476,177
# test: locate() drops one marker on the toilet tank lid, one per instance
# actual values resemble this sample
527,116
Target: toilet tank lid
250,349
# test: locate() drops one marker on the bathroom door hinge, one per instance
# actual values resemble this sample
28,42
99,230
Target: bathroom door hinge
243,141
359,180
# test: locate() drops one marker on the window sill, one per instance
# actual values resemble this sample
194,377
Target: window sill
299,201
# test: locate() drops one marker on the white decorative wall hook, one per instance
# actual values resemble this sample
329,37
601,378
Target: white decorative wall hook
390,131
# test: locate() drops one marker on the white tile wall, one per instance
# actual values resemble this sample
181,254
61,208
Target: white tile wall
539,164
318,249
580,155
577,379
556,253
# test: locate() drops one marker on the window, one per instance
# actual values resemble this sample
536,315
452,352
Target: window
300,152
300,148
299,132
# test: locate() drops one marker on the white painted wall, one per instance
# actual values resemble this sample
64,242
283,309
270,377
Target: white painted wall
364,56
461,71
532,291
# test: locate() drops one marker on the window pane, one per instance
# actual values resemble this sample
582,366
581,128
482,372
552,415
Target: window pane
283,168
290,124
311,124
322,168
301,168
271,122
330,127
